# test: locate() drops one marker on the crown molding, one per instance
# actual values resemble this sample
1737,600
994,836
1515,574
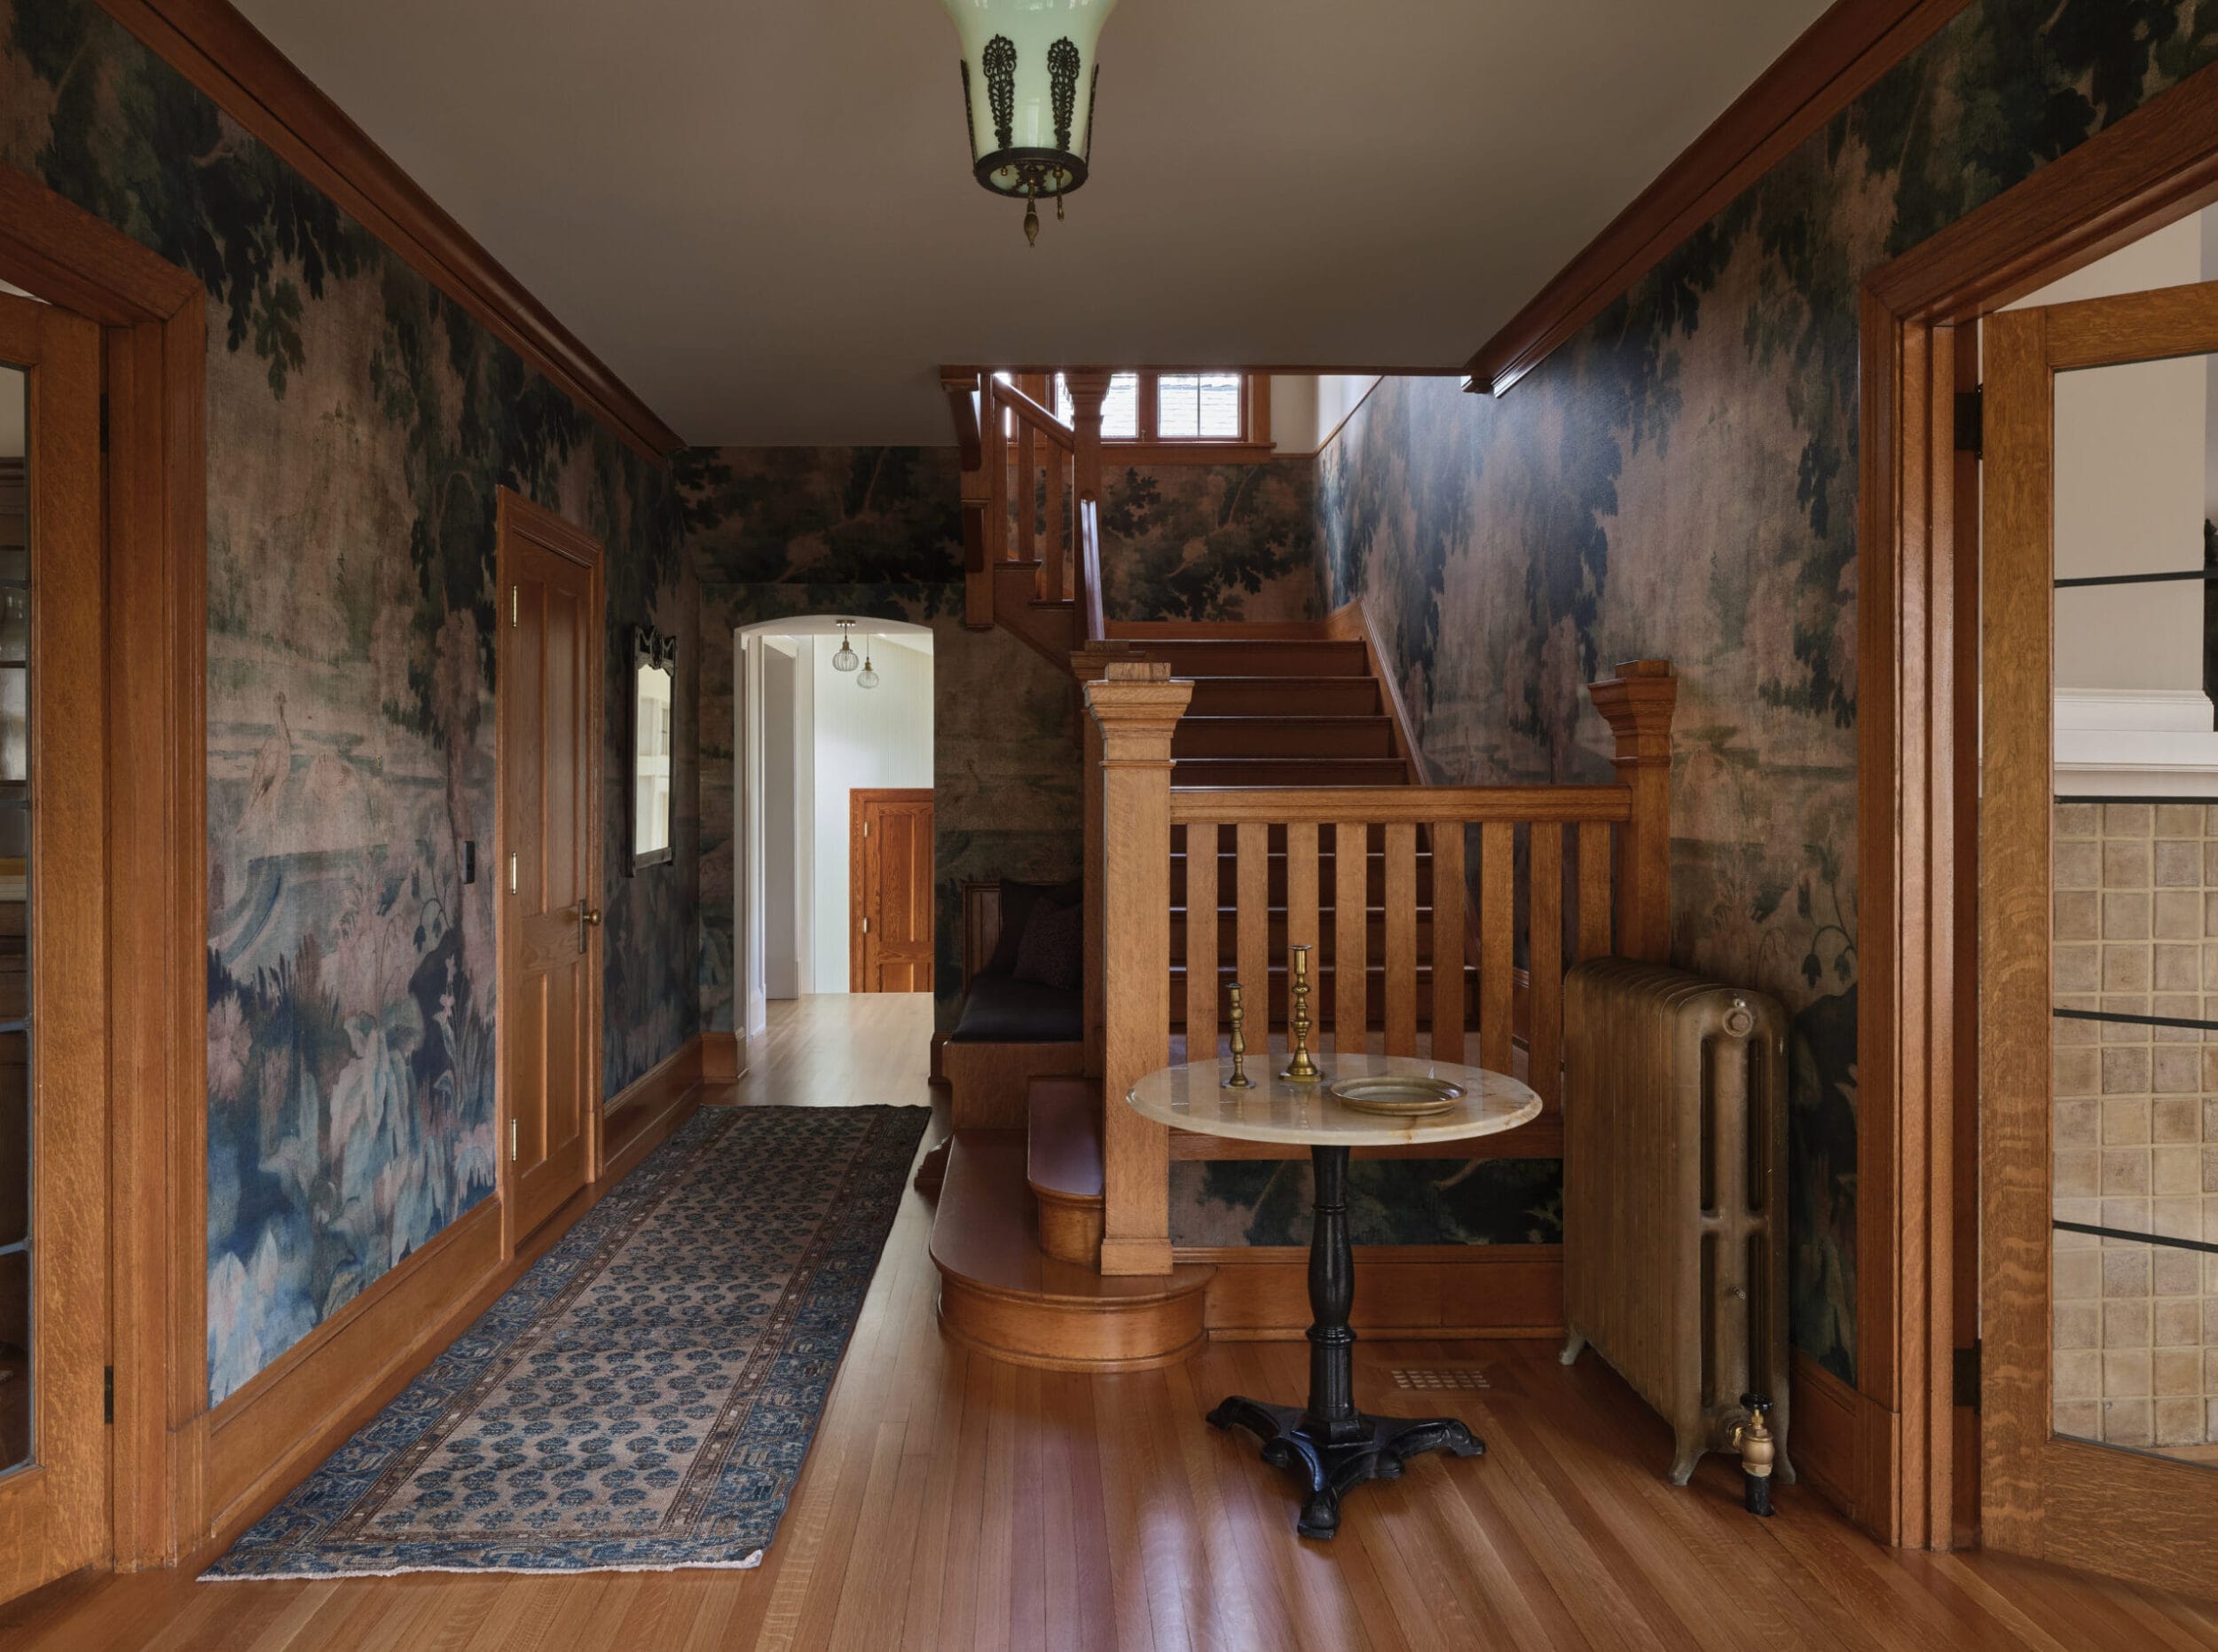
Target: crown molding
1836,59
214,47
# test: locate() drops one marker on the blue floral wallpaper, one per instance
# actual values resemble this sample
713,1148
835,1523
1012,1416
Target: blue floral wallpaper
358,425
1680,480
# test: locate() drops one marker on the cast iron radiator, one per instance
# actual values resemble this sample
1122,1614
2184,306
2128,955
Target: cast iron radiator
1675,1195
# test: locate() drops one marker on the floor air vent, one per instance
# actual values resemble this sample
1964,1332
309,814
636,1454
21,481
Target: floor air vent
1436,1377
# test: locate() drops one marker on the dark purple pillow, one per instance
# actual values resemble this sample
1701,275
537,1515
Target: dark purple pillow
1018,902
1052,952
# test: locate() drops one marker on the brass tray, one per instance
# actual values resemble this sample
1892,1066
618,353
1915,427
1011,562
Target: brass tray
1399,1097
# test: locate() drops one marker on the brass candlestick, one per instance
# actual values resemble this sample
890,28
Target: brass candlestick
1299,1068
1239,1079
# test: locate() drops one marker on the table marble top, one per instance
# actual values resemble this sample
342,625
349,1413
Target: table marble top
1192,1097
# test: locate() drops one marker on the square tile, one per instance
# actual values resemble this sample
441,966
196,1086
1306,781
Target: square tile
2076,915
2078,1376
2177,1218
2127,1325
2079,1325
2126,1119
2126,1271
2078,1419
2085,820
2177,866
2173,819
2126,1172
2175,1372
2179,1421
2178,915
2126,1374
2128,1421
2126,1072
2078,1276
2175,1325
2077,1174
2079,865
2126,967
2175,1171
2077,1073
2176,1119
2126,864
2077,1123
2128,820
2078,969
2128,917
2178,966
2174,1273
2176,1070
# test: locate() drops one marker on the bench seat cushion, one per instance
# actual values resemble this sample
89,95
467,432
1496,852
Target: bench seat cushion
1001,1010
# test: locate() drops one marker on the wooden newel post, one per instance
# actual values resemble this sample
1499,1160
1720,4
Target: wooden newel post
1638,702
1090,665
1134,708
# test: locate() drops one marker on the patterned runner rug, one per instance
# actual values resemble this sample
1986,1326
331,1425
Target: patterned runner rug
642,1398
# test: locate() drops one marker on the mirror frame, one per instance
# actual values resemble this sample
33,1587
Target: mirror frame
651,650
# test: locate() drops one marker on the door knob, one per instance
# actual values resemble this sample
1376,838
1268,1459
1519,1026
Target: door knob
592,914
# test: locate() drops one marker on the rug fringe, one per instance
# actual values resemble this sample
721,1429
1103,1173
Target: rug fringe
749,1564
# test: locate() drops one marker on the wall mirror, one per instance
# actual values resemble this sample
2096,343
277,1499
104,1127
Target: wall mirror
654,703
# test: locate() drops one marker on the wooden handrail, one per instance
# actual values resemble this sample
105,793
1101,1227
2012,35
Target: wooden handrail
1030,413
1090,569
1407,805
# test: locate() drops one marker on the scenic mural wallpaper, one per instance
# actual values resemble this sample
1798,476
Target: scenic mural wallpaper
359,425
1211,541
877,532
1680,480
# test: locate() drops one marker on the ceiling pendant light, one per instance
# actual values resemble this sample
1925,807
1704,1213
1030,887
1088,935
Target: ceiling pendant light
1028,76
869,677
847,659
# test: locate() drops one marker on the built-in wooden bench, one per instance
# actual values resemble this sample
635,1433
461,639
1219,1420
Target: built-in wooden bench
987,1077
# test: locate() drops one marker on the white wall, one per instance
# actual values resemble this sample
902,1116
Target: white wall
873,737
781,822
1307,408
2130,486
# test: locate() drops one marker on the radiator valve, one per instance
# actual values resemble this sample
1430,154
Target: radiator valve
1752,1438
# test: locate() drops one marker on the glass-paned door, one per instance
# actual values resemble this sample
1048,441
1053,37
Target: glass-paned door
53,956
2098,936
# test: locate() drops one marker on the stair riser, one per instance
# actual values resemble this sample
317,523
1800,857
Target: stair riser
1292,772
1216,657
1282,737
1333,696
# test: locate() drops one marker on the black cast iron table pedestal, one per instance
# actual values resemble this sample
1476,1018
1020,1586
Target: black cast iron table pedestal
1328,1446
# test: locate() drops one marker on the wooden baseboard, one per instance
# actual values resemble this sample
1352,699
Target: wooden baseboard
264,1438
723,1057
1840,1443
1420,1293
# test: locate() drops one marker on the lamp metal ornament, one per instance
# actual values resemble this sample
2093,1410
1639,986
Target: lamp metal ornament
1299,1069
847,659
1032,131
1239,1079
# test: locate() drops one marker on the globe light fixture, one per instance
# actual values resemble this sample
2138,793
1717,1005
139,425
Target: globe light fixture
847,659
869,677
1028,76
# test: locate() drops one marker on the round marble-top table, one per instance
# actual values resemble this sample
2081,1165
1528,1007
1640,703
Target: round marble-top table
1329,1446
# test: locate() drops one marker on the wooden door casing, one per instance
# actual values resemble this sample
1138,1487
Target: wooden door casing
549,888
890,890
54,1509
2128,1513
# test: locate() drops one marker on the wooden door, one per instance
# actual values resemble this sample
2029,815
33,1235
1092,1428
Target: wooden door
550,697
889,849
2098,1290
53,956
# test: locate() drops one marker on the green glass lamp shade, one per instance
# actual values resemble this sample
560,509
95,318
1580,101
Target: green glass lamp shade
1029,74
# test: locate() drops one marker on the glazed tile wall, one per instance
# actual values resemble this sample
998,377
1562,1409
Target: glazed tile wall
2136,1122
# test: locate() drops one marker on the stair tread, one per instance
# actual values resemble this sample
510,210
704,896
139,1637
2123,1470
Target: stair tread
984,1234
1063,1139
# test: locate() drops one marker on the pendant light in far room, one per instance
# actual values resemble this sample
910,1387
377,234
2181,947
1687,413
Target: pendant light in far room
1028,76
869,677
847,659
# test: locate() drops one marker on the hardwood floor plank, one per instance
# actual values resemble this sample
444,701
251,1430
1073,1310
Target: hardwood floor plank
953,1502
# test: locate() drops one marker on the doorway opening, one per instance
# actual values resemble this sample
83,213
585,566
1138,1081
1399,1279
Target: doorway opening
835,785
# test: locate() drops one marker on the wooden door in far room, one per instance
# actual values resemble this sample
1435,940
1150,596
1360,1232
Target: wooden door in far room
889,851
550,688
54,1015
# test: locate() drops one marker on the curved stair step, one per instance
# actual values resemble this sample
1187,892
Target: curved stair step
1001,1295
1063,1165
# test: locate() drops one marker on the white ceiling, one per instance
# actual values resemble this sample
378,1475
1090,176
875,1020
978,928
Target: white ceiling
759,213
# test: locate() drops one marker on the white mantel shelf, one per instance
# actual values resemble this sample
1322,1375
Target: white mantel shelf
2136,742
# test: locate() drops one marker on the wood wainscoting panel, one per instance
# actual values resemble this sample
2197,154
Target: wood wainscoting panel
1417,1293
1841,1443
261,1441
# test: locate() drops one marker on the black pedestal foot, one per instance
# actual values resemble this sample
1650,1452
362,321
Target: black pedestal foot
1374,1448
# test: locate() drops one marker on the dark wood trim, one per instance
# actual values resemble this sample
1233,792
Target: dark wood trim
216,49
1917,821
1839,1438
154,364
1836,59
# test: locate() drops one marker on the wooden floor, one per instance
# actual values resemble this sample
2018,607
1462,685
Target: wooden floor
951,1502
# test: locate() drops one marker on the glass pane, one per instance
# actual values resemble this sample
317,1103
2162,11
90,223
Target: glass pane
651,802
15,1045
1178,406
2134,1140
1219,394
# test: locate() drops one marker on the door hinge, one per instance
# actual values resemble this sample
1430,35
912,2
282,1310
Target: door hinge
1967,1377
516,606
107,1394
1971,422
512,1141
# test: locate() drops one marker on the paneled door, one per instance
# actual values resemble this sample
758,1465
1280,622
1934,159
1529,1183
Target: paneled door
549,691
2098,938
889,846
53,951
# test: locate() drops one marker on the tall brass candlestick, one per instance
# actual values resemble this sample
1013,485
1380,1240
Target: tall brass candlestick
1239,1079
1299,1069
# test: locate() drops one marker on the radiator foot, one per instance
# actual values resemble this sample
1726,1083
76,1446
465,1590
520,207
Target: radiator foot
1327,1469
